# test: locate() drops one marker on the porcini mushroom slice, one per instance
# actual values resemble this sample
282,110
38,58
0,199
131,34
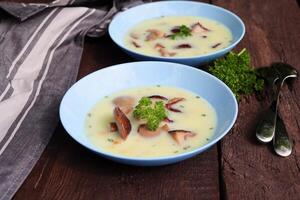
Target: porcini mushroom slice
113,127
198,28
124,101
158,46
145,132
175,29
123,123
181,135
216,45
126,109
136,44
134,36
157,97
154,34
173,101
168,120
183,46
163,52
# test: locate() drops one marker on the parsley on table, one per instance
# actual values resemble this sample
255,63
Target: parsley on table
235,71
183,31
152,112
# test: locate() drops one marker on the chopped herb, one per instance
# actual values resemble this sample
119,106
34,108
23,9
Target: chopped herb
106,97
187,147
211,128
152,112
207,139
183,31
181,106
157,85
236,72
175,151
197,97
89,114
110,140
203,115
90,126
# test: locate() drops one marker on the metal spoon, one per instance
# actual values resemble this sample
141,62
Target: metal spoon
278,71
281,142
266,128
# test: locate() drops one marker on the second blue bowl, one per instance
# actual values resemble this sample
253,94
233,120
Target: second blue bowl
124,21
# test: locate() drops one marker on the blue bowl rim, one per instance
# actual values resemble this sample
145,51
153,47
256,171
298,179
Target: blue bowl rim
178,58
161,158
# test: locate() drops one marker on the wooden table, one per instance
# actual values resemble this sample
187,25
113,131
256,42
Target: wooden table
238,167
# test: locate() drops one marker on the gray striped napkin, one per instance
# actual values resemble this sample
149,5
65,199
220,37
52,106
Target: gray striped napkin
41,46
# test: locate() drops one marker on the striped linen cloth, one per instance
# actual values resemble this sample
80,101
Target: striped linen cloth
41,47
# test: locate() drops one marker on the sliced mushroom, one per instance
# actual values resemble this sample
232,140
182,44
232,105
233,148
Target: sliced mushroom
113,127
158,46
126,109
123,123
125,103
181,135
145,132
154,34
173,101
216,45
136,44
134,36
183,46
168,120
163,52
175,29
198,28
157,97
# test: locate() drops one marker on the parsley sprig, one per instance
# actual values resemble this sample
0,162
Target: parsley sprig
183,31
152,112
236,72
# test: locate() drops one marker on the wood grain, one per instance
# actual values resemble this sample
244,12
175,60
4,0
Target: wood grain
251,170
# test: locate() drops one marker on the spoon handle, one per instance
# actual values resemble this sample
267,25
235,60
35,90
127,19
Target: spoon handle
281,142
266,128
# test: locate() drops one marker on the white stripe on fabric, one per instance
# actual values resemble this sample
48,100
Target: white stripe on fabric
43,78
23,51
29,42
4,93
30,68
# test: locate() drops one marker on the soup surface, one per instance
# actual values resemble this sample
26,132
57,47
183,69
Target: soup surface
194,116
178,36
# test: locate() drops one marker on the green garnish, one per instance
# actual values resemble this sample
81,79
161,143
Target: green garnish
236,72
183,31
152,112
110,140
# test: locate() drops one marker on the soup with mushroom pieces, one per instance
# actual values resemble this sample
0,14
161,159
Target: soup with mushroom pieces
188,124
178,36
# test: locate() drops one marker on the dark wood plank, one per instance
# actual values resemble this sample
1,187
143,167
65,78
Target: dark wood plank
251,170
68,171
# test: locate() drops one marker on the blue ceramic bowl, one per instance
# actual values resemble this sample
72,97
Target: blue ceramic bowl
84,94
124,21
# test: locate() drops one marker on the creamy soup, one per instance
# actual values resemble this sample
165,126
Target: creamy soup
178,36
191,115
